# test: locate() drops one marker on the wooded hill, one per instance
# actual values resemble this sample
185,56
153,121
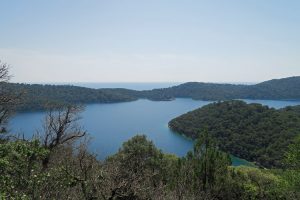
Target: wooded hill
36,96
286,88
251,131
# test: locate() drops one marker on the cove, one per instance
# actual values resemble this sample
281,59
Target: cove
109,125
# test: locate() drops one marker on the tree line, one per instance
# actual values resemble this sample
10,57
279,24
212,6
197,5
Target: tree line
36,96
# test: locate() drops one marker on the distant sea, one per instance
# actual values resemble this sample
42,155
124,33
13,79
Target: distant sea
126,85
130,85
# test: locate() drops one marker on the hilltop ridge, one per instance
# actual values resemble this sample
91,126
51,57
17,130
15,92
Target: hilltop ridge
36,95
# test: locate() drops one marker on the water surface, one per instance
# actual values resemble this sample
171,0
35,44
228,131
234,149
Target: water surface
111,124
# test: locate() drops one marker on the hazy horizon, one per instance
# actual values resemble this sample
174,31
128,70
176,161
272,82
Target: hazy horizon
131,82
150,41
127,85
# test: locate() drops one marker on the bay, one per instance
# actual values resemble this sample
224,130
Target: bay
109,125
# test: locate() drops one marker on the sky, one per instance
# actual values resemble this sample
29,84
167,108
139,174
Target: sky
150,40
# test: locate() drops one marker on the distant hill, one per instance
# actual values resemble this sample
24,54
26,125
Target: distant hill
286,88
250,131
35,96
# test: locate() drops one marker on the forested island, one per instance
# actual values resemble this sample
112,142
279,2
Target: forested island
36,96
254,132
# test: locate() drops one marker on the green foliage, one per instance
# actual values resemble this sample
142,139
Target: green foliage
292,156
250,131
138,153
289,182
20,167
286,88
258,184
210,163
136,171
292,161
39,97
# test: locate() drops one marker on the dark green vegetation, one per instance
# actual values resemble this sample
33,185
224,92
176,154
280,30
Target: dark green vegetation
286,88
250,131
35,97
138,171
38,97
55,164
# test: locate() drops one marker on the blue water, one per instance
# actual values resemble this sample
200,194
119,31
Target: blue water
111,124
275,103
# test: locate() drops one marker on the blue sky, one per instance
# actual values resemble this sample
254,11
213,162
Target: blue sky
150,41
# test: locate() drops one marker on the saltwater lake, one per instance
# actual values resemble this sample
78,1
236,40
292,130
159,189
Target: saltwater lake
110,125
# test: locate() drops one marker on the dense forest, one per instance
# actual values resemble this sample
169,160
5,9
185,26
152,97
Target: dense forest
286,88
251,131
35,96
38,97
138,171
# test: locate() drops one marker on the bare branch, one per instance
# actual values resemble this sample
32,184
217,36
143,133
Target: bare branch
8,100
4,72
61,127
